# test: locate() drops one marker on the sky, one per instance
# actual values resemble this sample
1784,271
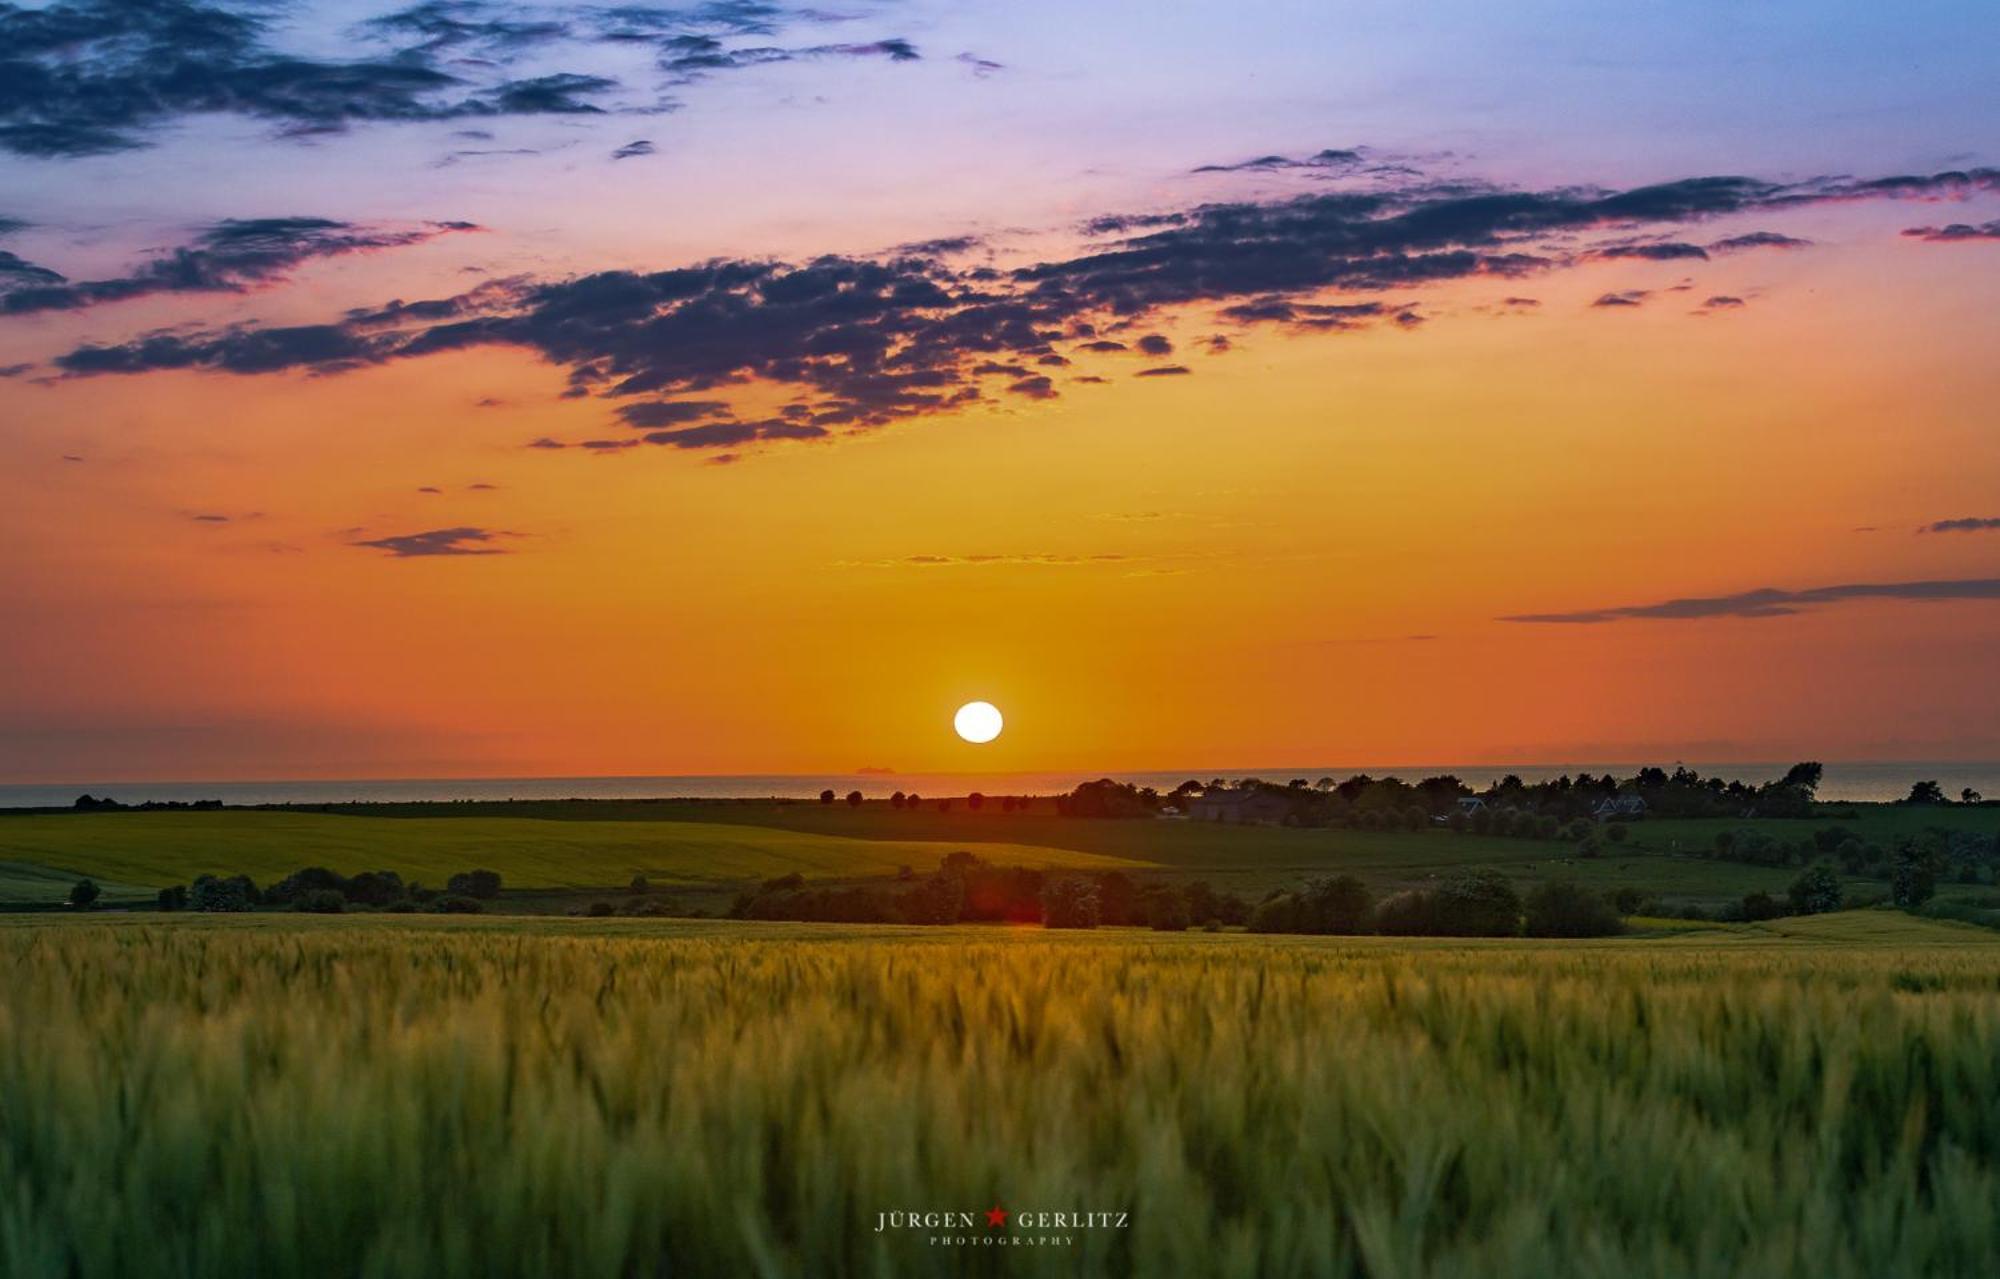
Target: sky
465,389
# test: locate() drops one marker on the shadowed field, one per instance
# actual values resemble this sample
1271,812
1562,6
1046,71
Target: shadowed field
424,1097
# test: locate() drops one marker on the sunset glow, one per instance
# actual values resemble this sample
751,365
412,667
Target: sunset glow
1231,390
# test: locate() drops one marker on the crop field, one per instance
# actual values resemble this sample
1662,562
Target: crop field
284,1095
550,846
157,849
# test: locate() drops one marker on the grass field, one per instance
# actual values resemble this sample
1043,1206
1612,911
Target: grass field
276,1095
157,849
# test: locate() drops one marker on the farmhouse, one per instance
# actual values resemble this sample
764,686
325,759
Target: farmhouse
1241,806
1612,807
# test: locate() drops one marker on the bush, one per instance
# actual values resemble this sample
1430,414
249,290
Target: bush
1912,881
1278,913
639,885
1616,832
401,906
175,898
1409,914
1816,891
1167,912
1478,903
456,905
600,909
209,893
1070,902
1761,906
321,901
1560,908
376,888
1341,904
83,894
483,884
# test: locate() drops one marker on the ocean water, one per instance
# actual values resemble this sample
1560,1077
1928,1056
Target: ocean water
1856,780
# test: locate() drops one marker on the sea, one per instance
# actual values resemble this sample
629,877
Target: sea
1860,780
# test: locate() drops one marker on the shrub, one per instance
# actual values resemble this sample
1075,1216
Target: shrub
854,799
639,885
600,909
483,884
457,905
1761,906
1816,891
1167,912
321,901
209,893
401,906
1070,902
1616,832
83,894
1478,903
1278,913
1913,879
175,898
1560,908
1337,905
1407,914
376,888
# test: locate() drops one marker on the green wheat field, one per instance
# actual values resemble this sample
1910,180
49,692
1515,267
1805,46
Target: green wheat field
443,1097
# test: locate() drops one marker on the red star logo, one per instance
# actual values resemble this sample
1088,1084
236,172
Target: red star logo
996,1216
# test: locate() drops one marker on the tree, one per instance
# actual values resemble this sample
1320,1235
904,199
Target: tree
83,894
1070,902
1913,880
913,801
826,796
1761,906
210,893
484,884
321,901
174,898
639,885
1804,776
854,799
1560,908
1968,796
1167,911
896,800
1926,793
1616,832
1478,903
1816,891
1340,904
975,801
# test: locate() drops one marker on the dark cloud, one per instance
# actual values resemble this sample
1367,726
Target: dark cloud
481,488
1165,370
1103,346
1628,297
1722,301
464,540
544,442
1771,602
1035,388
430,488
1331,158
1660,251
1955,231
1758,240
80,77
630,150
1967,524
856,343
231,256
981,67
207,518
16,273
1155,344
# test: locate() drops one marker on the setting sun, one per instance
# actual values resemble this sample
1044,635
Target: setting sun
978,722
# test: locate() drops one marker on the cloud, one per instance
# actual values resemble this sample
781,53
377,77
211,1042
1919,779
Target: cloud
1722,301
1758,240
231,256
1771,602
1155,344
1035,388
1165,370
1968,524
1628,297
1665,251
1330,158
464,540
642,146
848,344
83,77
981,67
1955,232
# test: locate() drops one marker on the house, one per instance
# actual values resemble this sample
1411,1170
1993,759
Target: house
1255,807
1470,804
1617,807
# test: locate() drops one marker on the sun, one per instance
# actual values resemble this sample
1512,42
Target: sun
977,721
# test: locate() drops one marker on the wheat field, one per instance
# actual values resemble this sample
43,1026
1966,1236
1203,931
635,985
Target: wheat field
202,1097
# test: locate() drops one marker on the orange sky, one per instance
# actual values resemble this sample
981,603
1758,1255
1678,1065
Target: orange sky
1301,550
